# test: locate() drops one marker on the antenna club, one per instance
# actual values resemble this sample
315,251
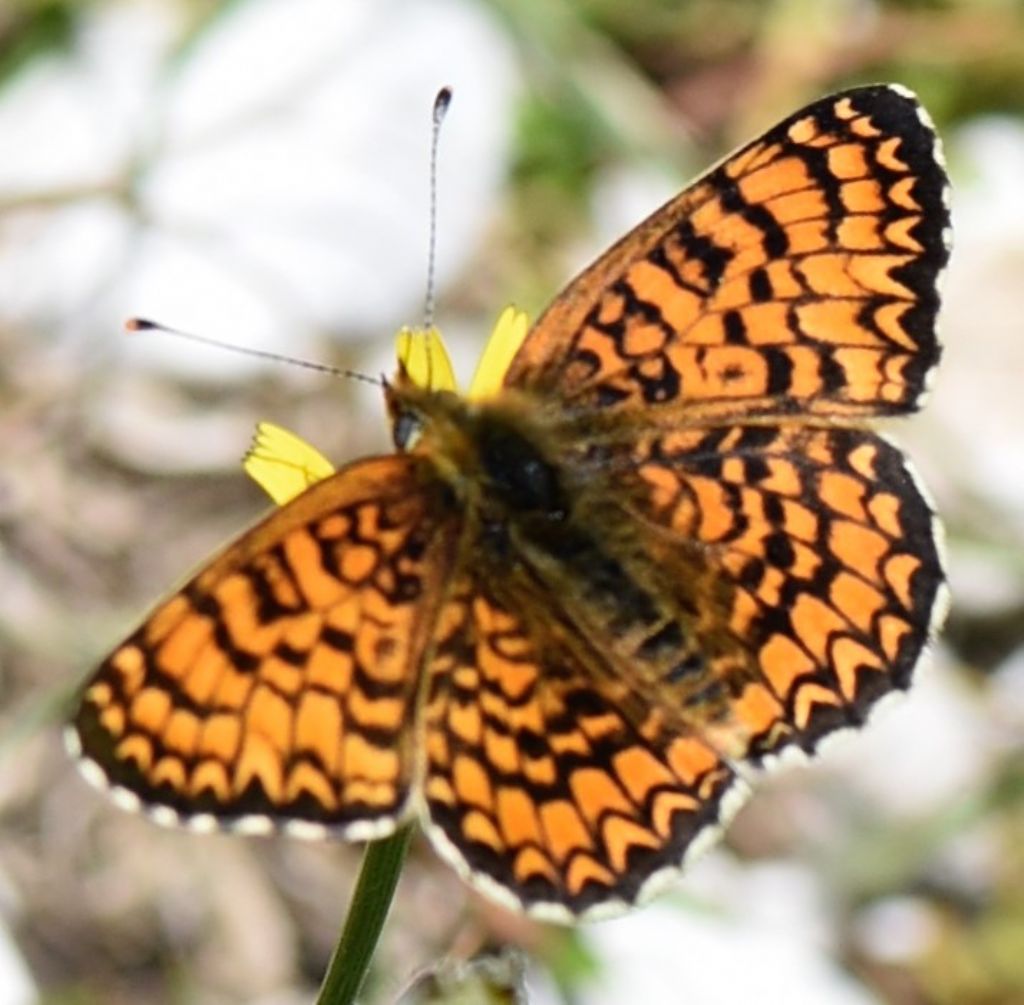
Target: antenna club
140,325
441,104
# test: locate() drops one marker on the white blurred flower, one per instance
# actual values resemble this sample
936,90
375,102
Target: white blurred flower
977,401
15,980
768,941
897,930
265,180
921,751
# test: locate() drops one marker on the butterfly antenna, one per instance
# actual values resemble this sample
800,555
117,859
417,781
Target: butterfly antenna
441,105
144,325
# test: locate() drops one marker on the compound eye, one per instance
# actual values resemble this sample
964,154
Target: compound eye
407,430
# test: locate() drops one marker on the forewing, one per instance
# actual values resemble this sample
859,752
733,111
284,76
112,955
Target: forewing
279,687
809,562
798,276
539,787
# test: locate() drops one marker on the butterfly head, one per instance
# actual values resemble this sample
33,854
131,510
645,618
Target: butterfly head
491,453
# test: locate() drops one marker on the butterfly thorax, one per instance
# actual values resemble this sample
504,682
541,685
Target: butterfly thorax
491,454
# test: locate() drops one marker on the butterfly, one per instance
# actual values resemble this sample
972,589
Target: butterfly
656,549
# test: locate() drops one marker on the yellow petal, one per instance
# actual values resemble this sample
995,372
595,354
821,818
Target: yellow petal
283,464
423,356
509,332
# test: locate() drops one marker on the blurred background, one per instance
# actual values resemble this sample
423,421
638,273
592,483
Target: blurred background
256,171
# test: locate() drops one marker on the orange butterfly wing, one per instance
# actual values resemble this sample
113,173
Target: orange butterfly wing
809,560
279,687
697,374
548,790
797,277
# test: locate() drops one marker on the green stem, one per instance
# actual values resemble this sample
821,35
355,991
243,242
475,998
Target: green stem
378,877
